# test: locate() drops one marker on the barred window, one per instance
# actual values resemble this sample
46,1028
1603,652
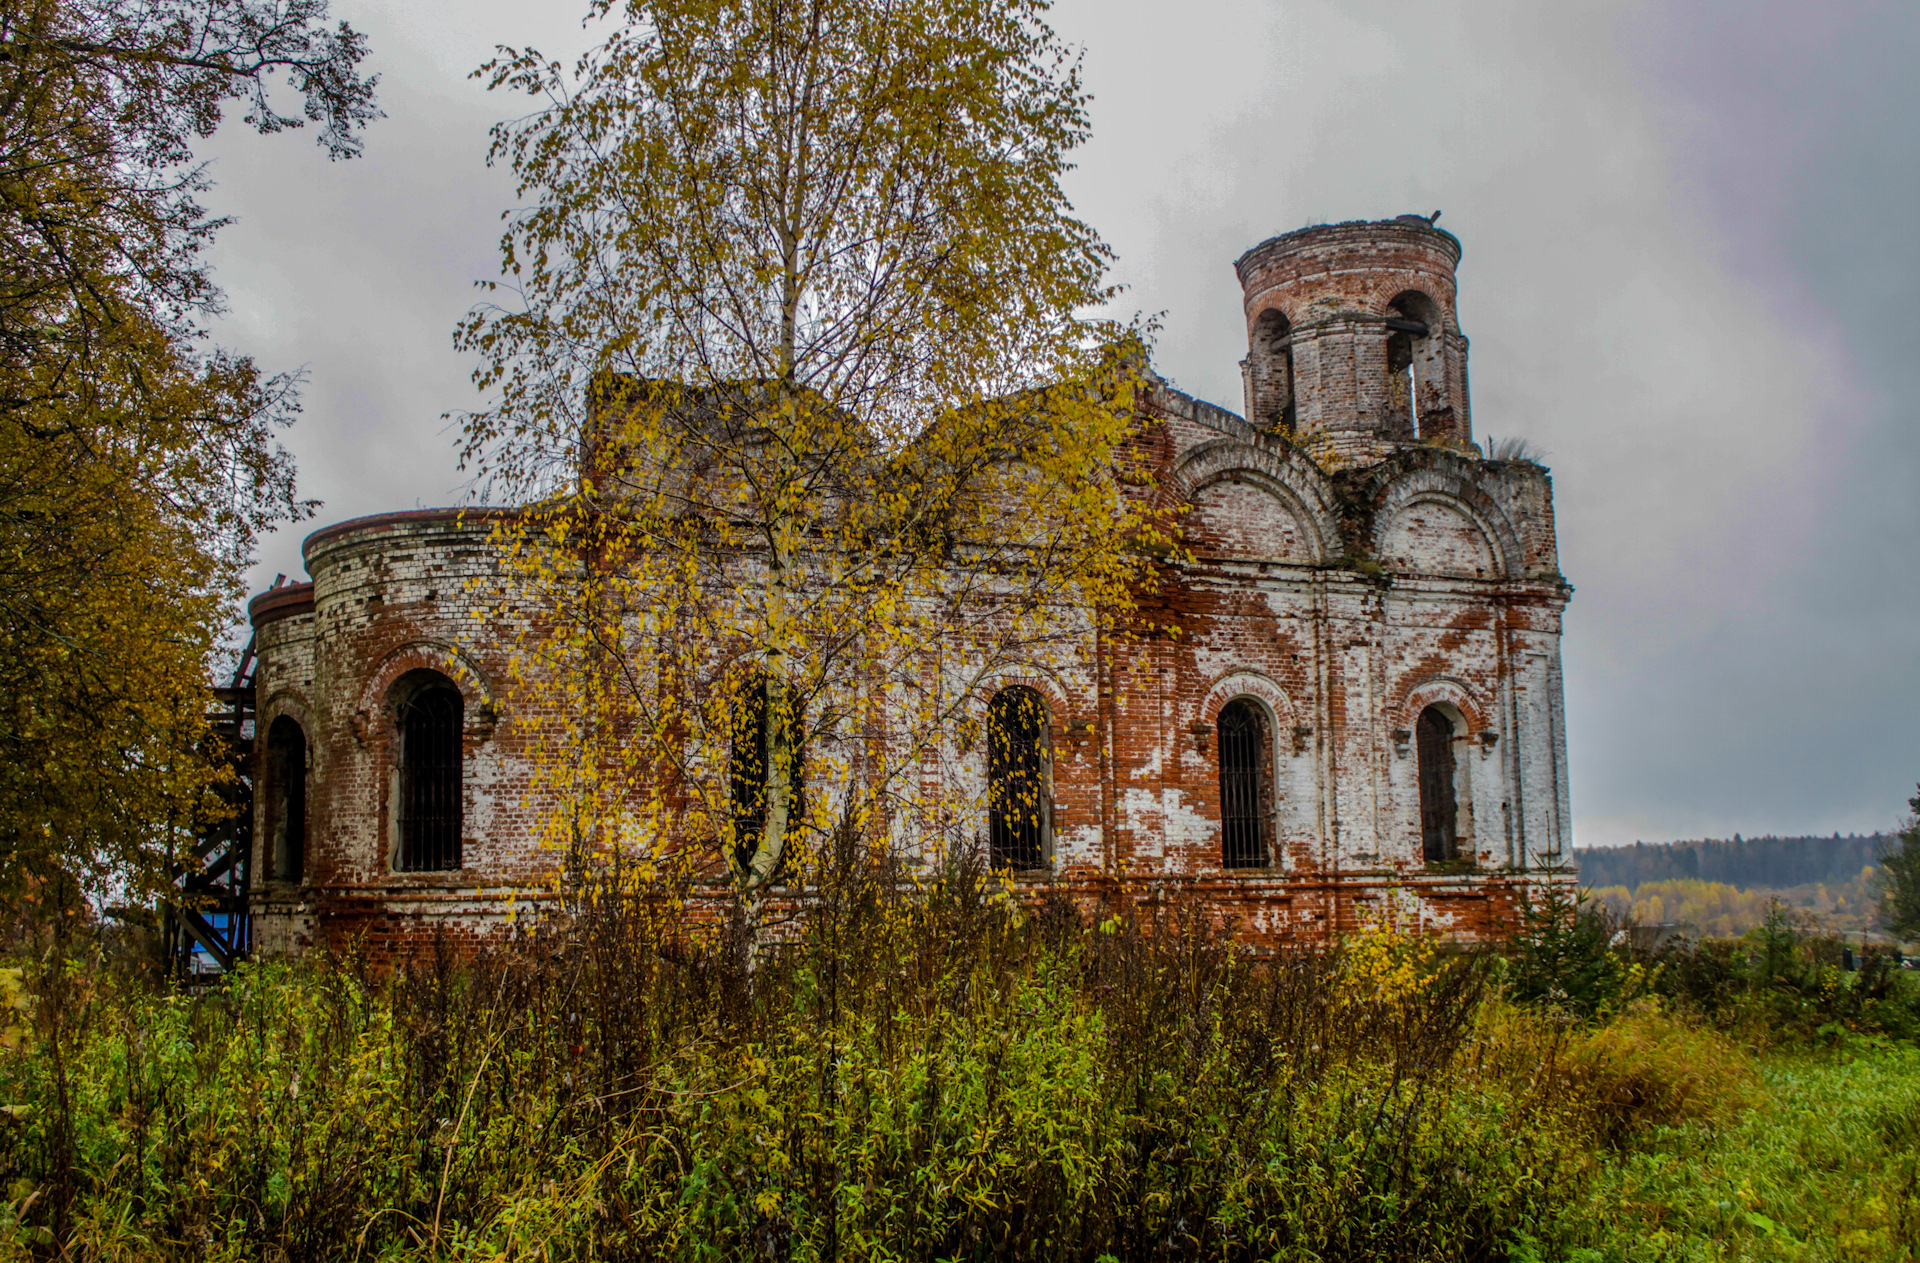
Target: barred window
429,723
1438,823
1018,807
286,800
1246,797
748,766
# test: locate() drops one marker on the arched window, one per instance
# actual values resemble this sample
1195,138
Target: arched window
748,764
1417,399
1438,814
1246,798
428,723
286,800
1270,371
1018,806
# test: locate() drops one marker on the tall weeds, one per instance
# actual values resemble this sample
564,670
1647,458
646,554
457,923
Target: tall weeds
928,1069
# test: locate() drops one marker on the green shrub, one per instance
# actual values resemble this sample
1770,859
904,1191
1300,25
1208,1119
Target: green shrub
925,1071
1560,953
1775,985
1820,1167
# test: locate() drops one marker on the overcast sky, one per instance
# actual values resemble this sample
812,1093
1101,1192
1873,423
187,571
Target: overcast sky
1690,275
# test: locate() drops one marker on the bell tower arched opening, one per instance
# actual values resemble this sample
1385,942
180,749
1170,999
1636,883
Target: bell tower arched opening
1270,384
1418,404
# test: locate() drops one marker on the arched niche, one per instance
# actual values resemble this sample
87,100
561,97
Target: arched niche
1290,478
1239,515
284,787
1434,536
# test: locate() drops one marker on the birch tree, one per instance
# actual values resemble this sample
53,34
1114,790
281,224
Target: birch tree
794,371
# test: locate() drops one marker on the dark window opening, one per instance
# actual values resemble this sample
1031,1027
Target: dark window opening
1246,798
286,800
1434,736
1017,800
1271,370
429,723
748,765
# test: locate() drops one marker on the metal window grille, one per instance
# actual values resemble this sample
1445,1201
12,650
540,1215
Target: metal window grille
747,770
1434,735
430,775
748,773
1245,800
287,799
1017,806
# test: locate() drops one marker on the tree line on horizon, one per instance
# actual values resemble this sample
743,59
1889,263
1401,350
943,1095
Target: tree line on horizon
1766,862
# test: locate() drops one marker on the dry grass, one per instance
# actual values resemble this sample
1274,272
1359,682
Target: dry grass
1648,1068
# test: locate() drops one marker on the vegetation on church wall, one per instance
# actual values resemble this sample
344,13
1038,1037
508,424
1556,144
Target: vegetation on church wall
793,373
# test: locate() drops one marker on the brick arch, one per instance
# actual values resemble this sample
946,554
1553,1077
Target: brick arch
1270,303
1457,492
287,701
1244,683
1041,681
376,697
1441,290
1294,482
1444,688
292,703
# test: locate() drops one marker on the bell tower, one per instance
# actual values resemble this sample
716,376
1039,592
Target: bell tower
1353,345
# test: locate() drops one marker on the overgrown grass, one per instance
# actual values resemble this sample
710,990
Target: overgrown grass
1823,1167
940,1073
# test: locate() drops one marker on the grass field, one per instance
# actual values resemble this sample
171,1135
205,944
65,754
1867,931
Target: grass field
1818,1165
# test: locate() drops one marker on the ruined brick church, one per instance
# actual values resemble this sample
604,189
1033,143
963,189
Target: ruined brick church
1361,716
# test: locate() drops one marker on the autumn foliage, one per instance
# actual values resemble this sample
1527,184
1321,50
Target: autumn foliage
137,461
796,377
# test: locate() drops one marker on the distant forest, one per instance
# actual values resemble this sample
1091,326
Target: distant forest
1774,863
